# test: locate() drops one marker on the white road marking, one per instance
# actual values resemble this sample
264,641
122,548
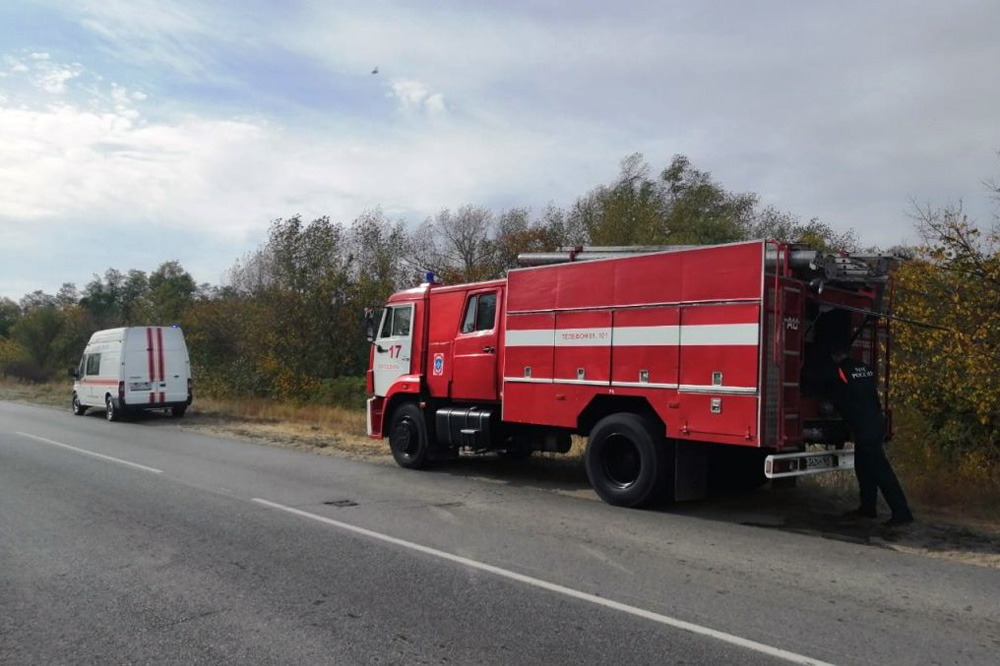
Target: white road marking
85,452
558,589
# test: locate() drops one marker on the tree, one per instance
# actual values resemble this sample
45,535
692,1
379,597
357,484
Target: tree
170,288
36,332
699,210
683,206
952,376
67,295
10,312
785,227
102,299
630,211
456,245
134,299
516,233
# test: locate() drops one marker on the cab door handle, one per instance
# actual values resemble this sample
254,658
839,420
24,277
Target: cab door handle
489,350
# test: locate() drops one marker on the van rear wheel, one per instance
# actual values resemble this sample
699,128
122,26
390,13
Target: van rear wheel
78,409
112,412
178,411
626,460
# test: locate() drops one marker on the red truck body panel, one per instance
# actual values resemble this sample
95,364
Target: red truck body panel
711,338
659,326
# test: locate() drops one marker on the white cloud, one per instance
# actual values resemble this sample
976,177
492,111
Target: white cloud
838,111
52,78
413,95
14,65
44,73
227,178
435,103
160,32
139,96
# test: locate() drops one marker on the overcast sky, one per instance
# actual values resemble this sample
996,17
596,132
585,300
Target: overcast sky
134,132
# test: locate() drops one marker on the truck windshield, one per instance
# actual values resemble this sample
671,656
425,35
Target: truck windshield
396,322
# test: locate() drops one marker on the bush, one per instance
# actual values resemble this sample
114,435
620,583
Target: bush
26,371
343,391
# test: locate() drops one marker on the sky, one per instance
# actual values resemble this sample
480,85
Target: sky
134,132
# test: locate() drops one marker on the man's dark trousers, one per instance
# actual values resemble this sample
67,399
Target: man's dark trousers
875,473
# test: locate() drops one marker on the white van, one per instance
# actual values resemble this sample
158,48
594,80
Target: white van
129,369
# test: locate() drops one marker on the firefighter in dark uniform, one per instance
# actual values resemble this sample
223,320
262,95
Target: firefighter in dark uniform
851,387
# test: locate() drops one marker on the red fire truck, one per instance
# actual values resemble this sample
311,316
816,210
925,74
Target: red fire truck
672,362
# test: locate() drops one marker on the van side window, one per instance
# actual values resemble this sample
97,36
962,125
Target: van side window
93,364
480,313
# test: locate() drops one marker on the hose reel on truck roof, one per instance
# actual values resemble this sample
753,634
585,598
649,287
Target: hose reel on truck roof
832,267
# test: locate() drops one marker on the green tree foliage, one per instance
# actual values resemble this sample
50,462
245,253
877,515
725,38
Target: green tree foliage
37,332
169,291
952,377
289,321
102,299
681,206
10,312
785,227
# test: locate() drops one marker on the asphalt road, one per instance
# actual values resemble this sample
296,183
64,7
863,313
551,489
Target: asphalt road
140,543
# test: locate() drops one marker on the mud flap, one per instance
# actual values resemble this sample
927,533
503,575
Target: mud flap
690,471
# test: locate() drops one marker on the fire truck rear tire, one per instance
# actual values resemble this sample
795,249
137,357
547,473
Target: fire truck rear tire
408,437
626,460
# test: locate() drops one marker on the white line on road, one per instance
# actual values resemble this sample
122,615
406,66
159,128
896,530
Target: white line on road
91,453
559,589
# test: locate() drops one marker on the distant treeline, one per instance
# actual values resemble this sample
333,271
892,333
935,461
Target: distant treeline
287,320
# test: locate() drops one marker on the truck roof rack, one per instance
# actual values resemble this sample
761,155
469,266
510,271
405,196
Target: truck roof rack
839,267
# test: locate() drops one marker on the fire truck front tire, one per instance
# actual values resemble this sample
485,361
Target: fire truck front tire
626,460
408,437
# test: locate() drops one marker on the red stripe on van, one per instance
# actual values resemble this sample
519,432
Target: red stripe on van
163,397
152,398
149,355
159,343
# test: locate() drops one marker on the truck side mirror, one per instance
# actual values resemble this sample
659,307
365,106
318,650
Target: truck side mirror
370,324
73,374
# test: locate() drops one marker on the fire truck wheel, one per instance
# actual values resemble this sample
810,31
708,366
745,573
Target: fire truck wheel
626,460
408,436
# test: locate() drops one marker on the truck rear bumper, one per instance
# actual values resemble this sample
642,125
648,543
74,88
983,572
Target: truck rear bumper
784,465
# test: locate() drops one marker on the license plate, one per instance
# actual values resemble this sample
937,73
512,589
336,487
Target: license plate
140,386
820,462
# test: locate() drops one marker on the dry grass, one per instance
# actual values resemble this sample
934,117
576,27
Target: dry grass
321,428
54,394
326,417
